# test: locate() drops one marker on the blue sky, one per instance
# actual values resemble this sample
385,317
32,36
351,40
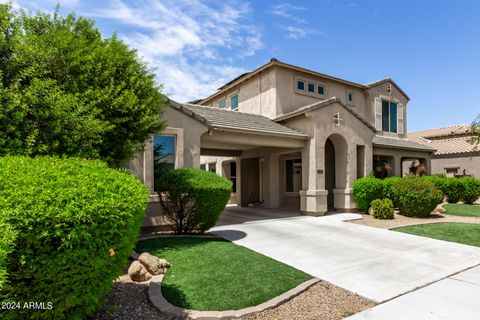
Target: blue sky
430,48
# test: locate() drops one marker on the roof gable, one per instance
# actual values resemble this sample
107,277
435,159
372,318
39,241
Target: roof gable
228,120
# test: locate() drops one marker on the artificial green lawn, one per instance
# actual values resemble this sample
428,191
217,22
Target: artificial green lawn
465,233
214,274
466,210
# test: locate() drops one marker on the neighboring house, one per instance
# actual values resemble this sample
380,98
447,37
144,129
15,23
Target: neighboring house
288,136
455,155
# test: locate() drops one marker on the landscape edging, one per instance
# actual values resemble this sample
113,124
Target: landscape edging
158,300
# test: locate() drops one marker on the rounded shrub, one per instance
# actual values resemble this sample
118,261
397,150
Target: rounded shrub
438,180
382,208
416,197
365,190
192,199
74,224
453,189
388,184
471,189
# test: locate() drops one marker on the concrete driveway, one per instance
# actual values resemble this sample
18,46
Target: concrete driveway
376,263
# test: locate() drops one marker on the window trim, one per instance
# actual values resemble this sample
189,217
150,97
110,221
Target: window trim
224,100
314,87
304,85
306,82
230,101
148,167
350,102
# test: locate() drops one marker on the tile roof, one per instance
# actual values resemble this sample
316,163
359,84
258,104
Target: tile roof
321,104
447,140
400,143
229,120
461,129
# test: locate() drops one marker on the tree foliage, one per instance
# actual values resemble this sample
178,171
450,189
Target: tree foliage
65,90
475,131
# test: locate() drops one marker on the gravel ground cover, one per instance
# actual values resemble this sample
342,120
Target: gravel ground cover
129,300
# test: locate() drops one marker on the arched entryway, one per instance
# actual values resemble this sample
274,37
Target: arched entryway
335,167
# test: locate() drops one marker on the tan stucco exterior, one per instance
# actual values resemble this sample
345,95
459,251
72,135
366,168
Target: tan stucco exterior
336,147
468,162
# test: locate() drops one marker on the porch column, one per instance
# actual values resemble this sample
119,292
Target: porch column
271,181
343,197
238,176
397,166
313,196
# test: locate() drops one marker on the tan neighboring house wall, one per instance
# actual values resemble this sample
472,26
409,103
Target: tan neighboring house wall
470,163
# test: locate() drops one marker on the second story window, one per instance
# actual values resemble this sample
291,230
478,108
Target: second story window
221,104
301,85
321,89
234,102
389,116
349,96
311,87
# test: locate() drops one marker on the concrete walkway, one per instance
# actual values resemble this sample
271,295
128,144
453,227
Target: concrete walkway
453,298
376,263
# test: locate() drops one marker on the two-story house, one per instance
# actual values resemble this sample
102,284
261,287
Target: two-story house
288,136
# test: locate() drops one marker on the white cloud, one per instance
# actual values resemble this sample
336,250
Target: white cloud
293,32
286,10
185,40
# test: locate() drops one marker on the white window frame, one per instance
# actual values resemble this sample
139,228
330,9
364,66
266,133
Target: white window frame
377,105
306,82
225,101
229,106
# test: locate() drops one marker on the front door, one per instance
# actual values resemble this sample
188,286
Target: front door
330,172
250,182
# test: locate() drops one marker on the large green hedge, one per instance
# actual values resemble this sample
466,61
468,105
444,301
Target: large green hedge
416,197
367,189
74,223
193,199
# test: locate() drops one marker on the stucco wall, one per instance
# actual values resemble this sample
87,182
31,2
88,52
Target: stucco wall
255,95
471,164
187,131
290,99
381,91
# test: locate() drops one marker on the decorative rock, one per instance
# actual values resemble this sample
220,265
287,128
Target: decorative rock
138,272
153,264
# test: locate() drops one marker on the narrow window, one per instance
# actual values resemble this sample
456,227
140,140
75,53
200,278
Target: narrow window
221,104
311,87
163,156
350,96
233,175
385,116
321,90
301,85
234,102
393,117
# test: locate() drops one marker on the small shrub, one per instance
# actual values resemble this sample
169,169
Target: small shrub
438,180
192,199
73,225
453,189
471,188
367,189
382,209
388,183
416,197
